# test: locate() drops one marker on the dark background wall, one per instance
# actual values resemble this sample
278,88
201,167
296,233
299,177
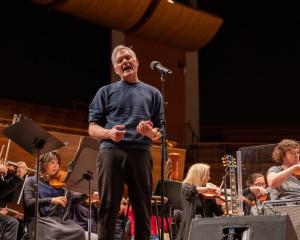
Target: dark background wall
248,72
49,57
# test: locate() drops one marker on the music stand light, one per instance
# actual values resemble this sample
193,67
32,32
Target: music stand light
36,141
82,169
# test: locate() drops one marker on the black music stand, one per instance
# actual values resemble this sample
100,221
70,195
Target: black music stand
82,169
36,141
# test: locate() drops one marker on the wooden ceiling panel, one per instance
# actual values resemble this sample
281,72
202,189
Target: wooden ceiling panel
119,14
180,26
172,24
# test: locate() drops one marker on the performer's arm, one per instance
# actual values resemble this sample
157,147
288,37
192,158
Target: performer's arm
116,133
276,179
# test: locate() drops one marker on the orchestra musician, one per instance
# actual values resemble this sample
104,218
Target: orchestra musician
9,185
283,178
255,193
80,214
195,188
53,221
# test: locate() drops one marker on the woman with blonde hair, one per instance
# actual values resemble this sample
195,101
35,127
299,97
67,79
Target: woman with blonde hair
195,188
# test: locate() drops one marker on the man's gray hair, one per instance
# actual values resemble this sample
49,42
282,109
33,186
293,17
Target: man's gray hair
119,48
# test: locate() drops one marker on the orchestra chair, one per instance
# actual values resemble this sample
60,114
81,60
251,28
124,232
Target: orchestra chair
172,190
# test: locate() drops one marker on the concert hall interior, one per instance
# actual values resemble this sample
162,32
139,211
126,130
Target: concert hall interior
230,85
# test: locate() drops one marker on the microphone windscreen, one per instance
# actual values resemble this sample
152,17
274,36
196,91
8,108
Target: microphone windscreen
153,64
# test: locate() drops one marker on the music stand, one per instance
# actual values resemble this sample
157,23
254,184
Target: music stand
82,169
36,141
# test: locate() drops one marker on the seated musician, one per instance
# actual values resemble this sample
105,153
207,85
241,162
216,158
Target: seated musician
53,221
255,193
194,203
9,185
80,214
154,228
121,225
283,178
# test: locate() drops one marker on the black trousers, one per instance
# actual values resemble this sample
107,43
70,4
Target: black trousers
8,227
118,166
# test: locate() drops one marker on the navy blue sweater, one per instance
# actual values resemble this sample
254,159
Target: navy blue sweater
127,104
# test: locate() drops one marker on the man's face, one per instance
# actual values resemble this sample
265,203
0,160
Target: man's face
126,66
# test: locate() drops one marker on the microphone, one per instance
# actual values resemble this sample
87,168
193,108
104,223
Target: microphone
155,65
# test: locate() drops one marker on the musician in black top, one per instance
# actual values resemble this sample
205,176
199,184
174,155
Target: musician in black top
9,185
196,198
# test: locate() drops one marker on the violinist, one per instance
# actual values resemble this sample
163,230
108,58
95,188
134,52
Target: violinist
283,177
53,221
80,214
11,182
194,203
255,193
10,185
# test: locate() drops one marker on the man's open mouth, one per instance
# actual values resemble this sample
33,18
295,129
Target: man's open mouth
126,67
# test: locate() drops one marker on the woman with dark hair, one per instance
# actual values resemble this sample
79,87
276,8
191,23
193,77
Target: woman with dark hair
283,178
53,220
255,193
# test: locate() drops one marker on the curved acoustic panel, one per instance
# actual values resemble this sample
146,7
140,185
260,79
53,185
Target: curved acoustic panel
159,20
180,26
118,14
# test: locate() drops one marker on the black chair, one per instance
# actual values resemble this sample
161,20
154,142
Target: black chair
172,190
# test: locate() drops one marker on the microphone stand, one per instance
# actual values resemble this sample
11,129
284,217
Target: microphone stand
164,152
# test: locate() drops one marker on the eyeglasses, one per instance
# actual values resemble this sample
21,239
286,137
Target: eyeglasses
260,184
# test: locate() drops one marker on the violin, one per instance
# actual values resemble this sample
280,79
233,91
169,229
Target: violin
296,173
222,198
56,181
262,197
213,196
259,194
94,200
